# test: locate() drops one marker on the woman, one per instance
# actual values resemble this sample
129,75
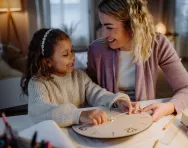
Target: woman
126,59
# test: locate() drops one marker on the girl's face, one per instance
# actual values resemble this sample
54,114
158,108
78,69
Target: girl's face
63,58
115,33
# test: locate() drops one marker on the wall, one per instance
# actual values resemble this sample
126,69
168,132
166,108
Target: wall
161,10
21,23
156,9
11,93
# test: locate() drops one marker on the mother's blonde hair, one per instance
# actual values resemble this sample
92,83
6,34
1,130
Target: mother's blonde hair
135,16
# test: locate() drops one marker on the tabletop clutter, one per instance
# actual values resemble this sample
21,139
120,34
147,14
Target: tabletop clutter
10,139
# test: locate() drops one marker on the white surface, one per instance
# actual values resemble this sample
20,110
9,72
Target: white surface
141,140
48,130
10,92
171,132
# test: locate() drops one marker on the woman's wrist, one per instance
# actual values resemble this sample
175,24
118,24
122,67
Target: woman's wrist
171,108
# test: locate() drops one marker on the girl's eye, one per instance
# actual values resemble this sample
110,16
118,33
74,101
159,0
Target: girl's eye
109,28
65,55
72,51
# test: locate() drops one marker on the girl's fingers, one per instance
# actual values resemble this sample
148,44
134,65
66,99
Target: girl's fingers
104,118
99,117
129,105
94,121
136,107
141,109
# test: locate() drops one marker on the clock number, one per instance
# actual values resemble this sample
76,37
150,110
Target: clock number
130,130
113,133
83,128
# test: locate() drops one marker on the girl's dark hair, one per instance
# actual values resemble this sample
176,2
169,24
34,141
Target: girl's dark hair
35,65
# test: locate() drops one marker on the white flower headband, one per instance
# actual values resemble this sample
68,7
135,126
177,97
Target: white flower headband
44,39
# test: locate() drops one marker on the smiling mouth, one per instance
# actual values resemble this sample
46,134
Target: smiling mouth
111,41
71,65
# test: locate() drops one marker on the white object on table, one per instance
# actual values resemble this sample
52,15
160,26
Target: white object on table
184,118
48,130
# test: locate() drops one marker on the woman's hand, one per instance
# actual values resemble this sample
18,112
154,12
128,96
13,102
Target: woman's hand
160,110
93,117
128,106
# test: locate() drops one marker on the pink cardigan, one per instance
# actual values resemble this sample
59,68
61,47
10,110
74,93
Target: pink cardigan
103,69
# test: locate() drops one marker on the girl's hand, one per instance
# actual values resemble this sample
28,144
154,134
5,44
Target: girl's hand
93,117
128,106
160,110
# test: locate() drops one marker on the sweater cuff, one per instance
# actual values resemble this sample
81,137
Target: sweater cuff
76,117
119,96
179,104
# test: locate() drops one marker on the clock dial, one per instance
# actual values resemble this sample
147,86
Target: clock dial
120,126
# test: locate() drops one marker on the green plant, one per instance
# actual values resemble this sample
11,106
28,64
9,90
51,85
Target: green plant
69,29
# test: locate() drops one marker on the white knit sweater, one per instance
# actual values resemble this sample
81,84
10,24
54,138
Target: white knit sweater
60,98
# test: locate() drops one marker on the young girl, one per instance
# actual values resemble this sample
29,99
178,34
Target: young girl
56,91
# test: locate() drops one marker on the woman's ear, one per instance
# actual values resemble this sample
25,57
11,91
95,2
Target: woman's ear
127,25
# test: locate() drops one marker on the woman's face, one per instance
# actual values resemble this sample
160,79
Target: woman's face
115,33
63,58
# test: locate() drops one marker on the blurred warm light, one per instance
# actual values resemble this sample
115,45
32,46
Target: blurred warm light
10,5
160,28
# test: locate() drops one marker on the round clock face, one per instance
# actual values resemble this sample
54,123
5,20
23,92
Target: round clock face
121,125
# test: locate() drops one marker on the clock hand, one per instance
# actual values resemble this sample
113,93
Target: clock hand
113,117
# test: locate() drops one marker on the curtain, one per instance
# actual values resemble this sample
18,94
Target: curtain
181,27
